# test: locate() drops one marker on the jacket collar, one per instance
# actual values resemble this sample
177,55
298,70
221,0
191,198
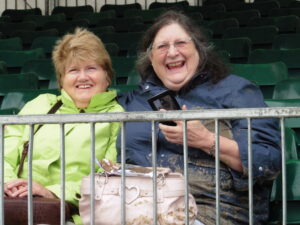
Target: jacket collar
99,102
196,80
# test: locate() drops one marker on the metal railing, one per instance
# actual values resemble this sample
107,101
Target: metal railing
215,114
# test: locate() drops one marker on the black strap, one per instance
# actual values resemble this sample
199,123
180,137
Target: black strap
26,144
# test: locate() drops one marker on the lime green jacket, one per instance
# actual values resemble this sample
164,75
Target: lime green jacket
46,146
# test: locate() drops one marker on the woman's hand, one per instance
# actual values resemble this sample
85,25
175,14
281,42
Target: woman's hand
198,136
19,188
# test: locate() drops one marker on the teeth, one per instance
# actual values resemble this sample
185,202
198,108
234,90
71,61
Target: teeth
175,64
84,86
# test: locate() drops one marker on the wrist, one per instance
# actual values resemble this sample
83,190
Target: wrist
212,146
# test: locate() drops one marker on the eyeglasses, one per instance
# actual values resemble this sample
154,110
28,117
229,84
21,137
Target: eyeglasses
163,47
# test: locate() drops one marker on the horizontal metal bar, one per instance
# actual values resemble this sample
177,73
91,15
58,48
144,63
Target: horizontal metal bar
276,112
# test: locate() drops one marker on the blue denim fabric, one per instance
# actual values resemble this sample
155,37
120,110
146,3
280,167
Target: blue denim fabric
231,92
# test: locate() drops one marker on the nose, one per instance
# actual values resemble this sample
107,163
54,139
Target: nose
172,51
82,76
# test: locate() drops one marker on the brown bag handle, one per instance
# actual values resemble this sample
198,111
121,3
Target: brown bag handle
26,144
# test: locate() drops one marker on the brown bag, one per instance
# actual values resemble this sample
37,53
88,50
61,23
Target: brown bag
45,210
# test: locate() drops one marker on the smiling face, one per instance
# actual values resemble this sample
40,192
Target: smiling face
174,56
83,80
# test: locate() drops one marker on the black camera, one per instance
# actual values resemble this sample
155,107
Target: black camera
166,101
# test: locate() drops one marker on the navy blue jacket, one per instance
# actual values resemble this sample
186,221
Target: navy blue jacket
231,92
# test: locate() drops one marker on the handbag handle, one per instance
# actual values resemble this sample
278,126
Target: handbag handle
53,109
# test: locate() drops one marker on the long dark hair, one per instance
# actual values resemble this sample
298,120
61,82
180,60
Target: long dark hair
210,61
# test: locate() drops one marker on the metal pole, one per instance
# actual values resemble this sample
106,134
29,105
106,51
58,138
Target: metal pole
250,175
154,165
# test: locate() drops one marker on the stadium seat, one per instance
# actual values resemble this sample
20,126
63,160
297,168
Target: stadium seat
120,24
3,69
70,11
219,27
261,37
285,24
64,27
43,68
123,40
15,59
287,89
123,67
10,82
17,99
266,76
243,16
14,43
8,29
17,15
112,49
120,9
208,11
286,41
238,48
289,56
178,5
264,7
29,36
95,17
148,16
294,122
41,20
292,193
46,43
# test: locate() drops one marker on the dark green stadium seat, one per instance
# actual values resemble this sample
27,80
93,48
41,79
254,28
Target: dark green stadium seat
289,56
14,43
294,122
123,40
243,16
220,26
266,76
46,43
112,49
285,24
148,16
18,81
3,69
287,89
5,19
120,24
17,15
123,67
208,11
261,37
15,59
123,87
29,36
102,29
286,41
43,68
17,99
8,29
133,79
238,48
41,20
70,11
292,193
120,9
94,17
178,5
264,7
64,27
11,111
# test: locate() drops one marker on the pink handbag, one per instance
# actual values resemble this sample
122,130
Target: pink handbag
139,199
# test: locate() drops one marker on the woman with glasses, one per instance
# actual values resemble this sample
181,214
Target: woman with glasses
176,56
